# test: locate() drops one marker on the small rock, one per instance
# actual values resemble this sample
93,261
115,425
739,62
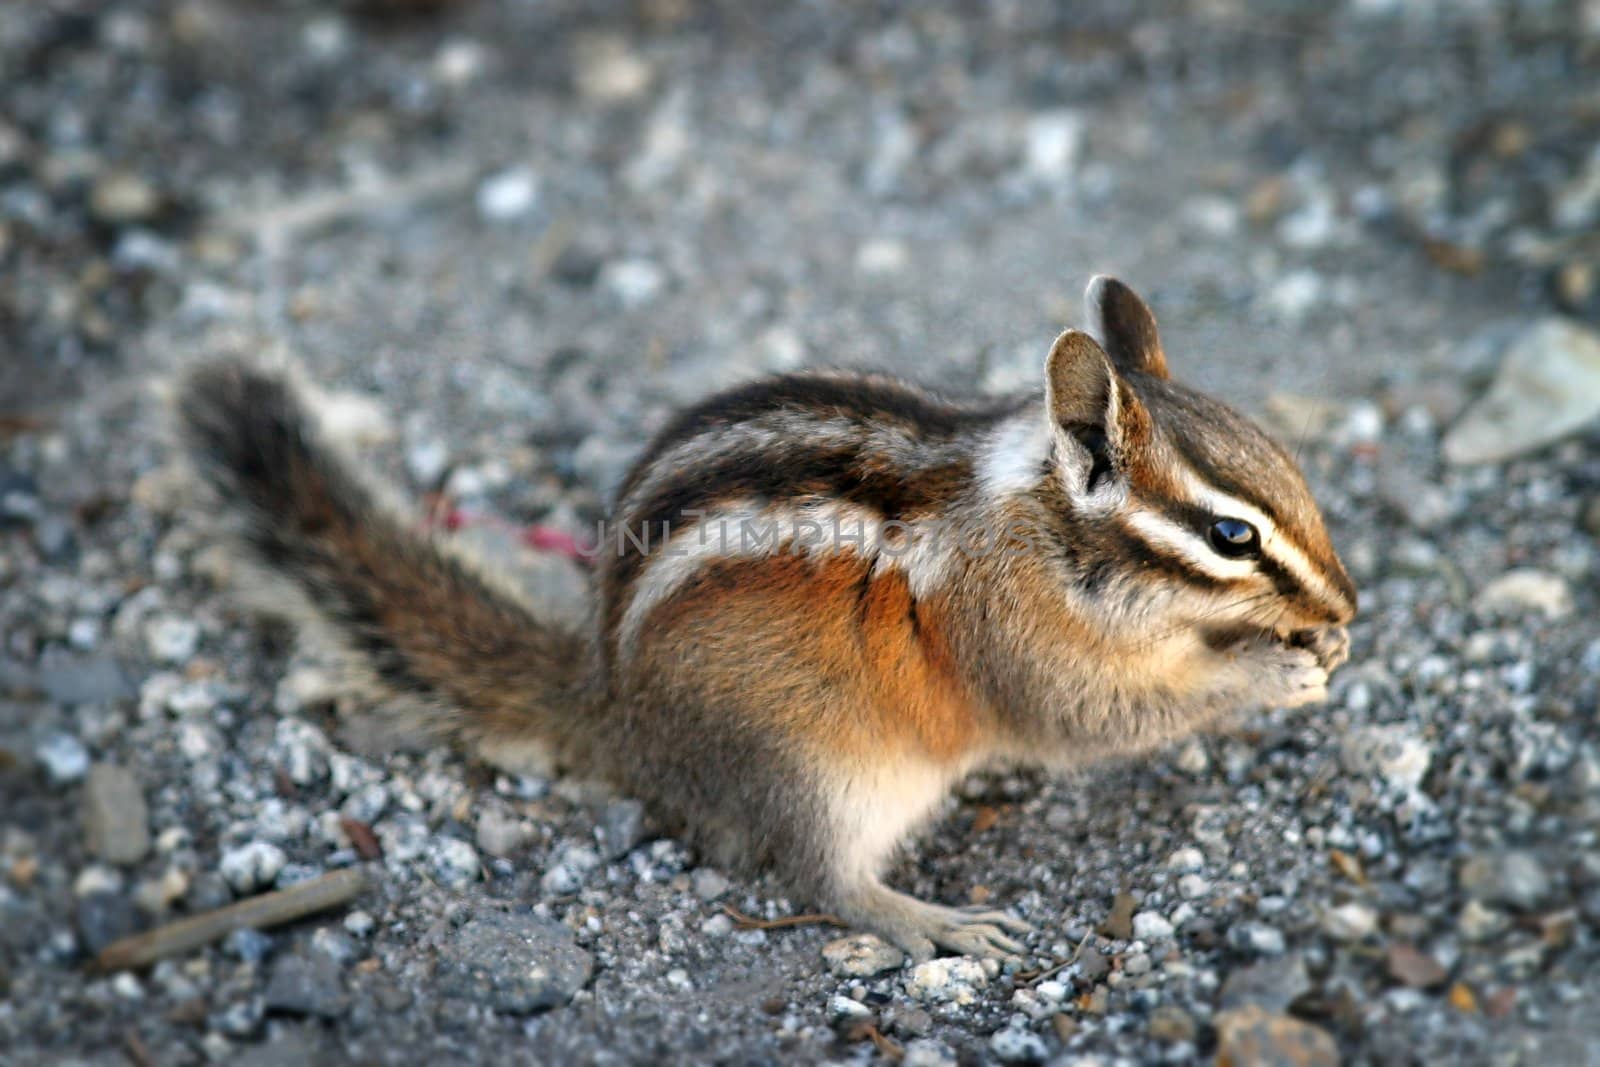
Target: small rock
1052,145
1271,985
170,639
103,917
1296,294
1013,1045
1548,386
459,62
247,945
926,1052
1393,754
950,980
632,283
513,964
157,895
121,199
1092,965
1259,938
1479,922
64,758
844,1009
1524,591
353,420
85,680
621,828
500,833
1186,859
508,195
881,257
708,883
366,805
1516,879
115,819
908,1021
1410,966
1254,1036
861,956
252,867
454,862
1349,922
311,983
208,891
563,878
718,925
1192,759
1414,498
1151,926
242,1018
608,71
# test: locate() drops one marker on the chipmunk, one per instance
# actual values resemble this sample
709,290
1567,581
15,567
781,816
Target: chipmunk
1150,561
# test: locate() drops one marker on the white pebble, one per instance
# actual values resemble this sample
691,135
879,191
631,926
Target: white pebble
251,867
951,980
64,758
1349,922
170,639
1151,926
508,195
632,283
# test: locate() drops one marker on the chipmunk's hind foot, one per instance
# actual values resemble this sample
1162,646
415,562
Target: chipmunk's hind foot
920,929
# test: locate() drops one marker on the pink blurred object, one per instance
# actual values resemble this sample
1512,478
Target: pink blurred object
537,537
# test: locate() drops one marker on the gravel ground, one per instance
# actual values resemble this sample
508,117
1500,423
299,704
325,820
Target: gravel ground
512,235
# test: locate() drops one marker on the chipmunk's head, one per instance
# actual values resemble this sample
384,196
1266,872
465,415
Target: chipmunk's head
1183,512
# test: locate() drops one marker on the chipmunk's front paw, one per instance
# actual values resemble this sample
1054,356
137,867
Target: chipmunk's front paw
1331,645
1291,677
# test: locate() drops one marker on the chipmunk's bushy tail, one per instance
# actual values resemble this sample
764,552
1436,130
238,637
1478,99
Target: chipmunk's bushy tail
424,623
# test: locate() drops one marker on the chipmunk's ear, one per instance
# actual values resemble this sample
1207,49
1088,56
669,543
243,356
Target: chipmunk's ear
1093,412
1080,385
1126,326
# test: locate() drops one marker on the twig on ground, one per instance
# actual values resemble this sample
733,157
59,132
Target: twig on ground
257,913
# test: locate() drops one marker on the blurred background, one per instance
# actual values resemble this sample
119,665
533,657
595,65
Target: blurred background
511,235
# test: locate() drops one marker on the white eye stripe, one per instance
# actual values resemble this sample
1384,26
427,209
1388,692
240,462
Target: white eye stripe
1274,545
1177,539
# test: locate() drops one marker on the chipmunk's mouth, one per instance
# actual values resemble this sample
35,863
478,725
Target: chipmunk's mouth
1222,638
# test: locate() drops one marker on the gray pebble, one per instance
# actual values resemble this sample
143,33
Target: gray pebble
708,883
1018,1046
308,983
622,826
514,964
1272,984
249,946
1516,879
103,917
115,819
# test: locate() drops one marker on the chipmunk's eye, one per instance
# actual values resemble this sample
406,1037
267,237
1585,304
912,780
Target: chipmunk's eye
1234,538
